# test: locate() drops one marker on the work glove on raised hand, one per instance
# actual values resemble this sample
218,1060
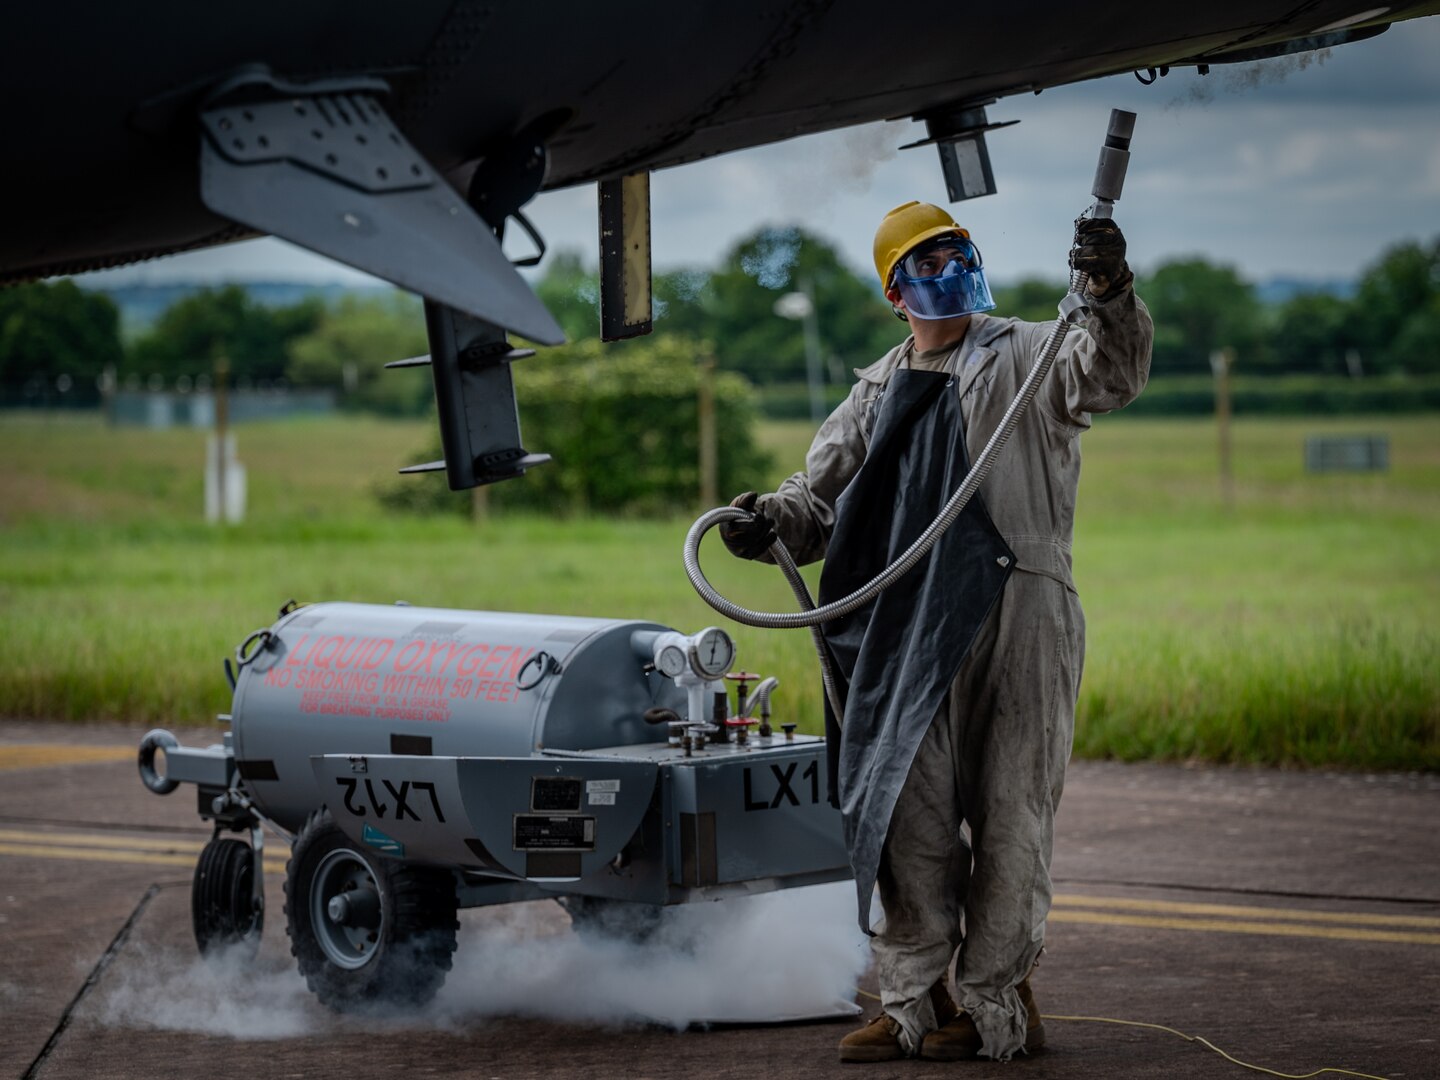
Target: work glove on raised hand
1099,251
748,539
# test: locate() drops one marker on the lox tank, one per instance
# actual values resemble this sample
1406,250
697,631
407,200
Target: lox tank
375,679
423,760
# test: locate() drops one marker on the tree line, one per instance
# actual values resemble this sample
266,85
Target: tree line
51,332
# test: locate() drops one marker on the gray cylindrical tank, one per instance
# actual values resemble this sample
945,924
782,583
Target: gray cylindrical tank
374,679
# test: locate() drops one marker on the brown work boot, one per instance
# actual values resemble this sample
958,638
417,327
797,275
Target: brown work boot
879,1040
959,1040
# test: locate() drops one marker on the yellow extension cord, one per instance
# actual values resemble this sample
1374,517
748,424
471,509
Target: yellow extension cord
1188,1038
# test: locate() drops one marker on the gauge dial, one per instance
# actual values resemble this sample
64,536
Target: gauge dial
711,653
671,661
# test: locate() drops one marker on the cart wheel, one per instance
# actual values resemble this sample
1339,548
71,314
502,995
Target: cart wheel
223,906
624,920
364,929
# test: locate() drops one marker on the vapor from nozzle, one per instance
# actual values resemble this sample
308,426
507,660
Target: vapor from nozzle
814,172
779,956
689,283
865,148
773,259
1241,78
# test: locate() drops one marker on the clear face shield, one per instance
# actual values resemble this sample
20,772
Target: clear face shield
943,278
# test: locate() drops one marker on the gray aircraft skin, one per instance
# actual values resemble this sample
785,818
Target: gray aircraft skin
101,159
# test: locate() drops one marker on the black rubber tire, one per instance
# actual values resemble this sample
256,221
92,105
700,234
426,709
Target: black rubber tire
223,909
410,949
622,920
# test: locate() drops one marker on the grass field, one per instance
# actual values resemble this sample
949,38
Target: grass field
1298,628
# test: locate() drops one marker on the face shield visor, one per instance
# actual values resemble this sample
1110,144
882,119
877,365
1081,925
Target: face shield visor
943,278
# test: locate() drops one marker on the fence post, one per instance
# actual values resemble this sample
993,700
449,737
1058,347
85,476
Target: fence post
709,455
222,426
1221,360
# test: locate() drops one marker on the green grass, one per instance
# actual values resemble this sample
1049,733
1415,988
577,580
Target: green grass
1298,628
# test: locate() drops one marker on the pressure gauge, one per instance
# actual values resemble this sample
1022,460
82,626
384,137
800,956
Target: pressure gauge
671,661
711,653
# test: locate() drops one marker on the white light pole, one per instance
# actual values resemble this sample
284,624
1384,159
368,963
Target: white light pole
801,306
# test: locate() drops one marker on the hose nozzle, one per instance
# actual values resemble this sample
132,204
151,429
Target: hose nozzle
1114,158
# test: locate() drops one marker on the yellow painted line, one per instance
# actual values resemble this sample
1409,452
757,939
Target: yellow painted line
1179,907
43,851
47,755
1225,926
1210,918
143,858
101,840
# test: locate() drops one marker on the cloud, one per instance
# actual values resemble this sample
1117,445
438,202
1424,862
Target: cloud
1427,184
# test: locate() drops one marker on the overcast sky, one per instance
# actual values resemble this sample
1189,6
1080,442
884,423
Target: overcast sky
1307,167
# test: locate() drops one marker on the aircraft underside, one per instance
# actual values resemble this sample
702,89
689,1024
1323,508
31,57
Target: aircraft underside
405,139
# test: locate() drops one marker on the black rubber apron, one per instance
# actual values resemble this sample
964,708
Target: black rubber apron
896,657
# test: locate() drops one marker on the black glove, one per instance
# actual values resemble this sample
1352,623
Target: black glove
1099,251
748,539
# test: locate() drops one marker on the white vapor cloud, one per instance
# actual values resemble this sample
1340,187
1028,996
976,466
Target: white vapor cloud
785,955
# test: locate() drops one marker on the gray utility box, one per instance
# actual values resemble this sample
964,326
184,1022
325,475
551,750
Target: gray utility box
1347,453
756,817
645,824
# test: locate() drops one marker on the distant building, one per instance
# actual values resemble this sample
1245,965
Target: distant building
167,408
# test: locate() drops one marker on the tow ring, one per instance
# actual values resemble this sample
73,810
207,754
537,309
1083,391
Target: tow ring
260,639
548,666
159,739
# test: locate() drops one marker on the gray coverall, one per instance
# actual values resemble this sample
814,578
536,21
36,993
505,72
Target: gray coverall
995,756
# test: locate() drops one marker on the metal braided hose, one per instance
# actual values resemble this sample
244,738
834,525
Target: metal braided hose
811,616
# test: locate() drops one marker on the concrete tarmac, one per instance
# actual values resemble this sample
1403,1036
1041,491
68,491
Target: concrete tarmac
1292,919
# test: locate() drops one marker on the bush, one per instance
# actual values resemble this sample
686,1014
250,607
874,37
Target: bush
348,349
198,329
53,335
623,428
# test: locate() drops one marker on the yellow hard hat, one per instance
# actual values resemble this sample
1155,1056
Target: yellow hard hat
909,224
